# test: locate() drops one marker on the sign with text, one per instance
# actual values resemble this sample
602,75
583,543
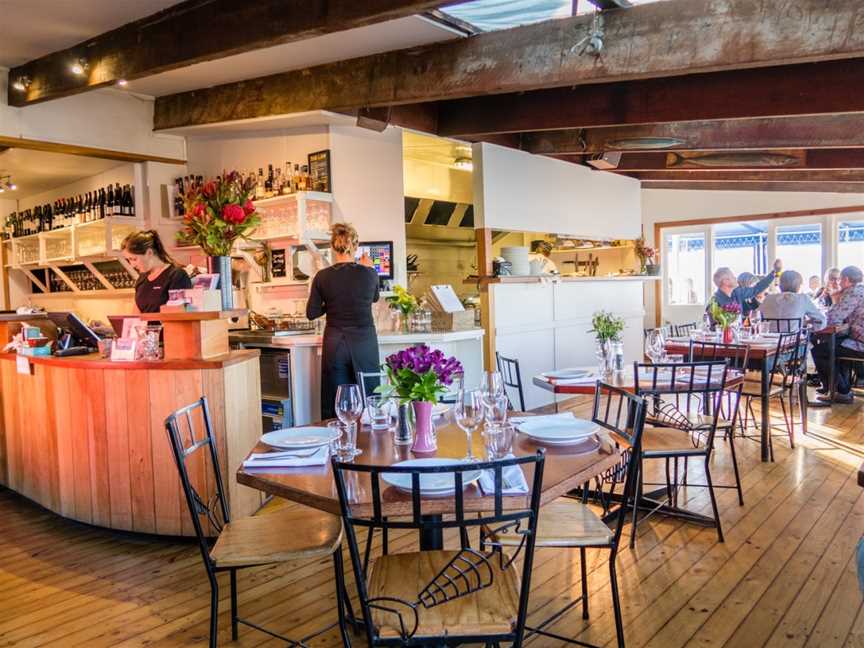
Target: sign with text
319,171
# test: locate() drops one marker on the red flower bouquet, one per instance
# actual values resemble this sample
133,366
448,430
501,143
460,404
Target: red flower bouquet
218,212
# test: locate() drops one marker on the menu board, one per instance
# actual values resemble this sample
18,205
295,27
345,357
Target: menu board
277,265
319,171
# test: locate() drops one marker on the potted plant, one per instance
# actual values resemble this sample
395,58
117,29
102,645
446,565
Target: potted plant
418,376
607,329
218,212
725,316
404,303
648,258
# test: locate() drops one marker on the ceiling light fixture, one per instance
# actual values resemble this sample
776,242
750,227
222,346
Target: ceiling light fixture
22,83
463,164
6,184
122,83
79,67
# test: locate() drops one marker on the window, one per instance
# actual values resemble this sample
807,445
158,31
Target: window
850,244
685,269
800,248
743,247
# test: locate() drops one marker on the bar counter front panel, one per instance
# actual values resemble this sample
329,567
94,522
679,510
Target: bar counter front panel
85,437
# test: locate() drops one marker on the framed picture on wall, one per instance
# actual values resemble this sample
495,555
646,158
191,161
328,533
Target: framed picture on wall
319,171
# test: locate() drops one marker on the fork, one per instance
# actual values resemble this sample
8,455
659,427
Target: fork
288,454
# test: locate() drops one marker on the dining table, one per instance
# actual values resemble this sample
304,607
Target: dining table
565,469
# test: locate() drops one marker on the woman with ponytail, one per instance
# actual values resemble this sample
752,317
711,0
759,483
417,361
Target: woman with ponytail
157,271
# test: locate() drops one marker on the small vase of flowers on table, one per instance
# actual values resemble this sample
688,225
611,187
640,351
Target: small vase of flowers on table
648,260
607,329
217,213
419,375
725,317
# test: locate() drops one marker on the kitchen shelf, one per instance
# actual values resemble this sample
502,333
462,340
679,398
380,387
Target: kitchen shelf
593,249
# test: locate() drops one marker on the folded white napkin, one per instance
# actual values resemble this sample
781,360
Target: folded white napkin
516,420
512,478
590,379
288,459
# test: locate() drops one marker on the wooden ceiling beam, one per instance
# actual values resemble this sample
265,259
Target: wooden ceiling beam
653,40
761,133
195,31
809,187
751,176
808,89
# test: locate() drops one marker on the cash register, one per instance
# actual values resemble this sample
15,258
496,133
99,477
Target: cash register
74,337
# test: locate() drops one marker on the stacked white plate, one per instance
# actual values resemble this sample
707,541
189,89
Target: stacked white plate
553,430
298,438
431,484
518,258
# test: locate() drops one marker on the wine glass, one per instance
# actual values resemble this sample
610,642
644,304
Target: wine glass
469,414
655,345
492,385
349,406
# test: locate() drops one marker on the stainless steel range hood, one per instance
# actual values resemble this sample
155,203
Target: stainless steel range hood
439,221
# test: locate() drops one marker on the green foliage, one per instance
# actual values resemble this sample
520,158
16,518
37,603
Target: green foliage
408,385
402,300
606,326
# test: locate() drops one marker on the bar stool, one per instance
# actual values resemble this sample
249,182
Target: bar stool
283,536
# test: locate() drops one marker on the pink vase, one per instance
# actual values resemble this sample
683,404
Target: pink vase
727,335
424,438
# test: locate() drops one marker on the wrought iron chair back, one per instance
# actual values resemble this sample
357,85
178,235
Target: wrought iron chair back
188,446
512,377
667,330
683,330
470,570
622,414
790,358
680,388
784,324
737,355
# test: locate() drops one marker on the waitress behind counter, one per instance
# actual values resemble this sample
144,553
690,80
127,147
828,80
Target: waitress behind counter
157,271
344,292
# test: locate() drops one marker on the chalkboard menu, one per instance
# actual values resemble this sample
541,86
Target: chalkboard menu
277,265
319,171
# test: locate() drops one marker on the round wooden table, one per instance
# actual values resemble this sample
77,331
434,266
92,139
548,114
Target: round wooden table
314,486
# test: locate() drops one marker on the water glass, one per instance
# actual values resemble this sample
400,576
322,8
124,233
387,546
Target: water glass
344,443
380,412
498,440
469,414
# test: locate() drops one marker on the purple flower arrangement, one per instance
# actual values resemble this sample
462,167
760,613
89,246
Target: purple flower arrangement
420,374
726,314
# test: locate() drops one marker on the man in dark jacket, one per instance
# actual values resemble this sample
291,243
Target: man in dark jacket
728,290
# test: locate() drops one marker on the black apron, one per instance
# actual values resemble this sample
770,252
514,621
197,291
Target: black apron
345,351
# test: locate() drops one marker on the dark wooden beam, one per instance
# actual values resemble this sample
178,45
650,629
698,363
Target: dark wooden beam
811,131
769,161
751,176
652,40
810,187
86,151
195,31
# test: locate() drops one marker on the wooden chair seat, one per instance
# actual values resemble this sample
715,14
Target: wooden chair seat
566,522
491,610
283,535
658,441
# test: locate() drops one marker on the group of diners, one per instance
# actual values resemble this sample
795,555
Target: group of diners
838,303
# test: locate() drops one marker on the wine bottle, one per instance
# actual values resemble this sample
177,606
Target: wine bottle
268,182
130,201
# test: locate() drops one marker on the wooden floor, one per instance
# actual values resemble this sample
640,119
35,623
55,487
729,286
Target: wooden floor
784,577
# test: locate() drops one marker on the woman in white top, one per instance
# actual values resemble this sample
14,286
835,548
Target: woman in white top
791,304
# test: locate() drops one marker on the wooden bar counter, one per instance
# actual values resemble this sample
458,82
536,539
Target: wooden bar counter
85,437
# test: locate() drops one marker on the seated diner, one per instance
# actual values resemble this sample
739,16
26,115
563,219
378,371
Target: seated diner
791,303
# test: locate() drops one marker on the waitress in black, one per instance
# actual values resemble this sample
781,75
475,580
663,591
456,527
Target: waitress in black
344,292
157,271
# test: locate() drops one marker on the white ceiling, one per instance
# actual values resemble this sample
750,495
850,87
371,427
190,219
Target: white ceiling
38,171
33,28
434,150
382,37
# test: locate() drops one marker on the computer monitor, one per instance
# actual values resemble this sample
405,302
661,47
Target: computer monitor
69,323
381,253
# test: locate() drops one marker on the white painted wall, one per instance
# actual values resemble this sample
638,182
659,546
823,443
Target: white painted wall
425,179
122,173
368,188
666,205
108,118
514,190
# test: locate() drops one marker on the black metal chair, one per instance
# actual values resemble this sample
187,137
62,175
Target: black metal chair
667,330
682,388
512,377
784,324
286,535
569,523
683,330
441,596
788,374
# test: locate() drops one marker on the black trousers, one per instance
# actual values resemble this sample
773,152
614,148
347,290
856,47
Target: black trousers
345,352
843,368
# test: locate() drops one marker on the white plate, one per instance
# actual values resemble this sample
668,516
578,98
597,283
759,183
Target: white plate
298,438
430,483
565,374
558,432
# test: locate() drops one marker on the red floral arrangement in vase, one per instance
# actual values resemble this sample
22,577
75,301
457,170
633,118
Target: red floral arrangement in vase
218,212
